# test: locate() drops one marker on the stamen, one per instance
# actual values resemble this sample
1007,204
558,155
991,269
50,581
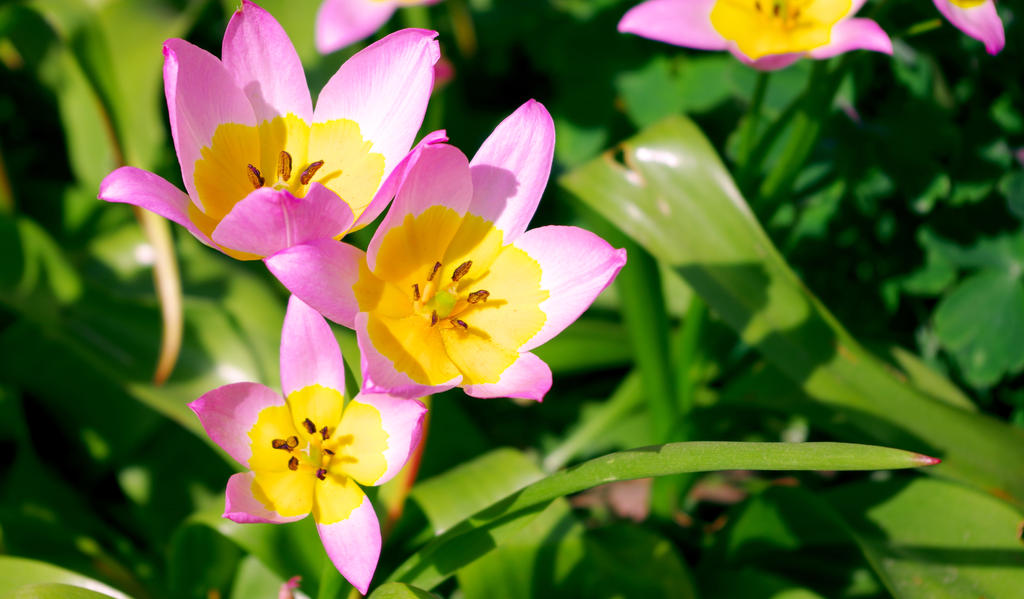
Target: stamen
757,5
328,451
462,324
415,292
310,427
437,267
321,474
280,444
478,296
293,442
324,433
284,166
461,270
433,317
255,177
293,464
775,10
307,175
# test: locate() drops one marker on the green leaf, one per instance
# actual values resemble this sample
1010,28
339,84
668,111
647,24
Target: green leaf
493,526
55,591
628,561
398,590
17,572
747,583
931,538
985,346
672,195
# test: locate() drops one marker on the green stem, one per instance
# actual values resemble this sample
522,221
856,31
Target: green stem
753,119
922,27
688,353
332,585
416,17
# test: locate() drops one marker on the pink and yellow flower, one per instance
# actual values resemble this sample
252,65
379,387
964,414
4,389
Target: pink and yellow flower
976,18
308,450
766,34
453,290
262,168
343,22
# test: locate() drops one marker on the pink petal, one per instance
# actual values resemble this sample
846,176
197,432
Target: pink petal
981,22
511,168
241,506
528,378
854,34
576,267
270,220
309,352
354,544
201,95
379,374
130,185
259,54
321,273
343,22
395,180
771,62
437,175
228,413
384,89
680,22
402,420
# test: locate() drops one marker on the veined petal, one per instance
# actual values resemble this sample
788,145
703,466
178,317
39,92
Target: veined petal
680,22
980,22
230,412
241,505
353,544
259,54
437,176
130,185
321,273
402,422
201,95
380,375
395,180
511,169
384,89
854,34
528,378
270,220
309,352
343,22
576,265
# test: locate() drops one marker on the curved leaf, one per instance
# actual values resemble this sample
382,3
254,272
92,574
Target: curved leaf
493,526
16,573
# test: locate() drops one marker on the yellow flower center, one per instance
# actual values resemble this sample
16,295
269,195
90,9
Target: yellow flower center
447,298
766,27
284,153
311,452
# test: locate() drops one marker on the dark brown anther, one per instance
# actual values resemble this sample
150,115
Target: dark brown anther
757,5
307,175
284,166
433,317
310,427
461,270
255,177
328,451
323,433
433,271
321,474
478,296
293,464
462,324
293,442
415,292
775,9
280,444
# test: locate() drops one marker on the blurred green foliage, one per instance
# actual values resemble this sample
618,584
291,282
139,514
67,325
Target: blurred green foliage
875,295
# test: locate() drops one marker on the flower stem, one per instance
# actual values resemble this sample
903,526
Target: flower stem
408,477
753,119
